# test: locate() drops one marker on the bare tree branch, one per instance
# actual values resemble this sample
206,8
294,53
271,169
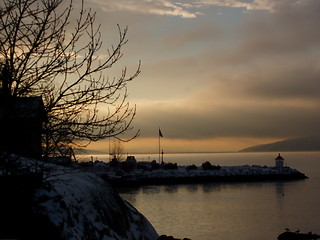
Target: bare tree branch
42,53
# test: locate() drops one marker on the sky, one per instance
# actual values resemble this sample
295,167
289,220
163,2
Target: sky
217,75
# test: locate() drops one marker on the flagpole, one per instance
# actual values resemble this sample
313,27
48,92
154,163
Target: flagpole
159,144
162,156
160,136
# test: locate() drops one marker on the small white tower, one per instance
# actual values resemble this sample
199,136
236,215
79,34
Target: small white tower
279,161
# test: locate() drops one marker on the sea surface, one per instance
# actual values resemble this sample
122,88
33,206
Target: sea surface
232,211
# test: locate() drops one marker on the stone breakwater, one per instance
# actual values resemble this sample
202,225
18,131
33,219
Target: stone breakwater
185,175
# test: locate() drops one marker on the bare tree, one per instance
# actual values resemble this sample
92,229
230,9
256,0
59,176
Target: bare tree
117,150
45,52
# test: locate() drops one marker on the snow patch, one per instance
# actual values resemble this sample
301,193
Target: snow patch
83,206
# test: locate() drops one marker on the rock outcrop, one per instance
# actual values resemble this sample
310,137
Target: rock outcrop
64,204
82,206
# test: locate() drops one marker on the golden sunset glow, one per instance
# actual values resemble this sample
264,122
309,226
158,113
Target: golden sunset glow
151,145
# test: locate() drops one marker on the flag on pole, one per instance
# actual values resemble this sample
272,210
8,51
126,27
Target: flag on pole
160,133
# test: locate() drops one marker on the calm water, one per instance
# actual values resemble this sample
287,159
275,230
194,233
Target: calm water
230,211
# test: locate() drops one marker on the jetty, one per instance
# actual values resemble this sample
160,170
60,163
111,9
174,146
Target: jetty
183,175
134,173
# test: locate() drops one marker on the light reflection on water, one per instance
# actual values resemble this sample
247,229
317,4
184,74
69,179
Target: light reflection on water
230,211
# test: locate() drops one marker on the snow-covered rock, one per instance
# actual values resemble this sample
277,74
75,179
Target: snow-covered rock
46,201
83,206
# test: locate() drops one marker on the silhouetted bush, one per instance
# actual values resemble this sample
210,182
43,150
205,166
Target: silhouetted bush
155,165
216,167
114,162
127,166
171,166
143,166
208,166
192,167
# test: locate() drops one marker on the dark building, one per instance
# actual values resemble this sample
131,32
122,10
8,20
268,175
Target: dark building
21,121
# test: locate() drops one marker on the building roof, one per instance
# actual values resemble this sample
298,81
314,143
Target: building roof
279,157
131,159
26,108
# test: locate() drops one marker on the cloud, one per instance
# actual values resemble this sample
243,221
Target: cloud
184,9
211,114
155,7
234,76
248,5
276,79
291,29
276,99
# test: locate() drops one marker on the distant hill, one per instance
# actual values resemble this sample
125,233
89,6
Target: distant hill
289,145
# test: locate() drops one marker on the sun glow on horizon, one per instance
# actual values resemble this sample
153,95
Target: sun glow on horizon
151,145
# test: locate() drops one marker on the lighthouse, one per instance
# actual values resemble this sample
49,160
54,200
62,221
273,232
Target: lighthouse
279,161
